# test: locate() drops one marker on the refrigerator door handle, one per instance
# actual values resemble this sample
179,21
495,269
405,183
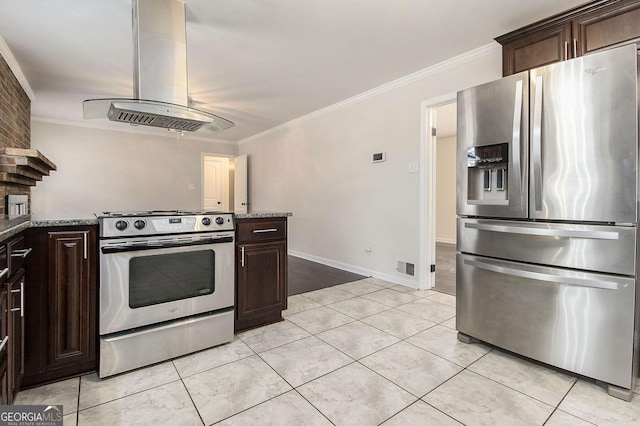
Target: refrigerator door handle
515,141
536,144
539,276
564,233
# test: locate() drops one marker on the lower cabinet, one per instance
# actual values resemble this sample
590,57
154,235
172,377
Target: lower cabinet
16,327
261,272
62,304
4,347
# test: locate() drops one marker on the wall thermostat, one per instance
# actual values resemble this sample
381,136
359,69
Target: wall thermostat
377,157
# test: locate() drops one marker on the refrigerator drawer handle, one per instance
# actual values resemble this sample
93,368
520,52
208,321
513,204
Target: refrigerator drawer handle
564,233
580,282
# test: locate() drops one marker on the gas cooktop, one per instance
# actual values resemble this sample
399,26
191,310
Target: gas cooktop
159,213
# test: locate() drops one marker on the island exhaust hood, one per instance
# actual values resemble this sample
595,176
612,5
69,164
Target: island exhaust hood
160,96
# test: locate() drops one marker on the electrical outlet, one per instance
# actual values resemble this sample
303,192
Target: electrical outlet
414,167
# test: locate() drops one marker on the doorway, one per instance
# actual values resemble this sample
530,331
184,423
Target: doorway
215,183
445,198
438,123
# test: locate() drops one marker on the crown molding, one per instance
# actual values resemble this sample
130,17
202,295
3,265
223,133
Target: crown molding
472,55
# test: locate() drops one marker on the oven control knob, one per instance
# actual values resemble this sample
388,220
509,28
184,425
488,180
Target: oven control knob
219,220
121,225
139,224
206,221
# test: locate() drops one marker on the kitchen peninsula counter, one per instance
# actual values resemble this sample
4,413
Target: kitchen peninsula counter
11,227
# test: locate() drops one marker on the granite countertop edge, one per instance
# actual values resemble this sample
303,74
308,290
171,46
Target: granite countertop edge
260,215
11,227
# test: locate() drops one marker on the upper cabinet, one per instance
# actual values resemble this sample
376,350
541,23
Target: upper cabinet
589,28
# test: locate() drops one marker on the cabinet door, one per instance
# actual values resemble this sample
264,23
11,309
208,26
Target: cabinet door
4,348
542,47
4,379
70,298
15,304
261,279
607,27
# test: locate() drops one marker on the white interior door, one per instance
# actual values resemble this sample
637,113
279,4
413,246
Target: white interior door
215,185
240,193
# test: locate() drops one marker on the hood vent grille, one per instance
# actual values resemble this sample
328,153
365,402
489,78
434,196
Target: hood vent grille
135,118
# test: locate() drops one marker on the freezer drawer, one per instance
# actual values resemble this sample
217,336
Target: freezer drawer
609,249
581,322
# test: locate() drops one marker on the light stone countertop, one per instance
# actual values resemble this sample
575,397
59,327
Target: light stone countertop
262,215
41,223
11,227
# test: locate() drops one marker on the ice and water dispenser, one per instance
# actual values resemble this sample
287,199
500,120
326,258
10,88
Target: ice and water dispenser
487,168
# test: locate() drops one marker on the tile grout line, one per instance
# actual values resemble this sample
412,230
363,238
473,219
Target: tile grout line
195,407
78,407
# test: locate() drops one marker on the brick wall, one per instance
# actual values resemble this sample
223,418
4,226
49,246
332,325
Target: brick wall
15,123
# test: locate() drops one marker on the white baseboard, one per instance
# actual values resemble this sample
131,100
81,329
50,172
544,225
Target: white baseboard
356,269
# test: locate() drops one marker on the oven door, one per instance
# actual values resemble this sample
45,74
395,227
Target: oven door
156,279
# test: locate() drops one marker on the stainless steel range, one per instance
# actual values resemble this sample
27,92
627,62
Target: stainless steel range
166,285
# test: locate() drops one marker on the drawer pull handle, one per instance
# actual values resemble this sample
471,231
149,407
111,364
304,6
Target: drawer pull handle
4,272
261,231
242,257
4,343
23,253
21,291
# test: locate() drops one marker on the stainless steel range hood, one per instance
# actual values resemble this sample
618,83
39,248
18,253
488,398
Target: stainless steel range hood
160,96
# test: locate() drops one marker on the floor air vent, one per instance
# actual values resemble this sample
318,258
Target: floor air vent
406,268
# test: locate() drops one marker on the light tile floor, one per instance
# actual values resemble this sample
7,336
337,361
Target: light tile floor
362,353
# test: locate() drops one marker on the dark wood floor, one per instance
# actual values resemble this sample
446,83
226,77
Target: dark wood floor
305,275
446,268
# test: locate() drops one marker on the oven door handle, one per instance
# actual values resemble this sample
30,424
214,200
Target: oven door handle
167,244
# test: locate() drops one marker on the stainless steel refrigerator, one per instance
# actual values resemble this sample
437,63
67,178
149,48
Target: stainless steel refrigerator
547,202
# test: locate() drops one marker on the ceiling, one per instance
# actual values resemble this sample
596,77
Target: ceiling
258,63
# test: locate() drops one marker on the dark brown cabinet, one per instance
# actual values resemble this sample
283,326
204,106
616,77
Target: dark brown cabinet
598,25
16,327
4,348
261,271
62,304
12,259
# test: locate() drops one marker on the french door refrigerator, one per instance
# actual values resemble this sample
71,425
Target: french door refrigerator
547,203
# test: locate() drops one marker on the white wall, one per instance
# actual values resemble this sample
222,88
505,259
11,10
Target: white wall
319,168
446,190
101,170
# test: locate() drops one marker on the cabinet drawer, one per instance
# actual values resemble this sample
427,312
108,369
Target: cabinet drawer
261,230
16,254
